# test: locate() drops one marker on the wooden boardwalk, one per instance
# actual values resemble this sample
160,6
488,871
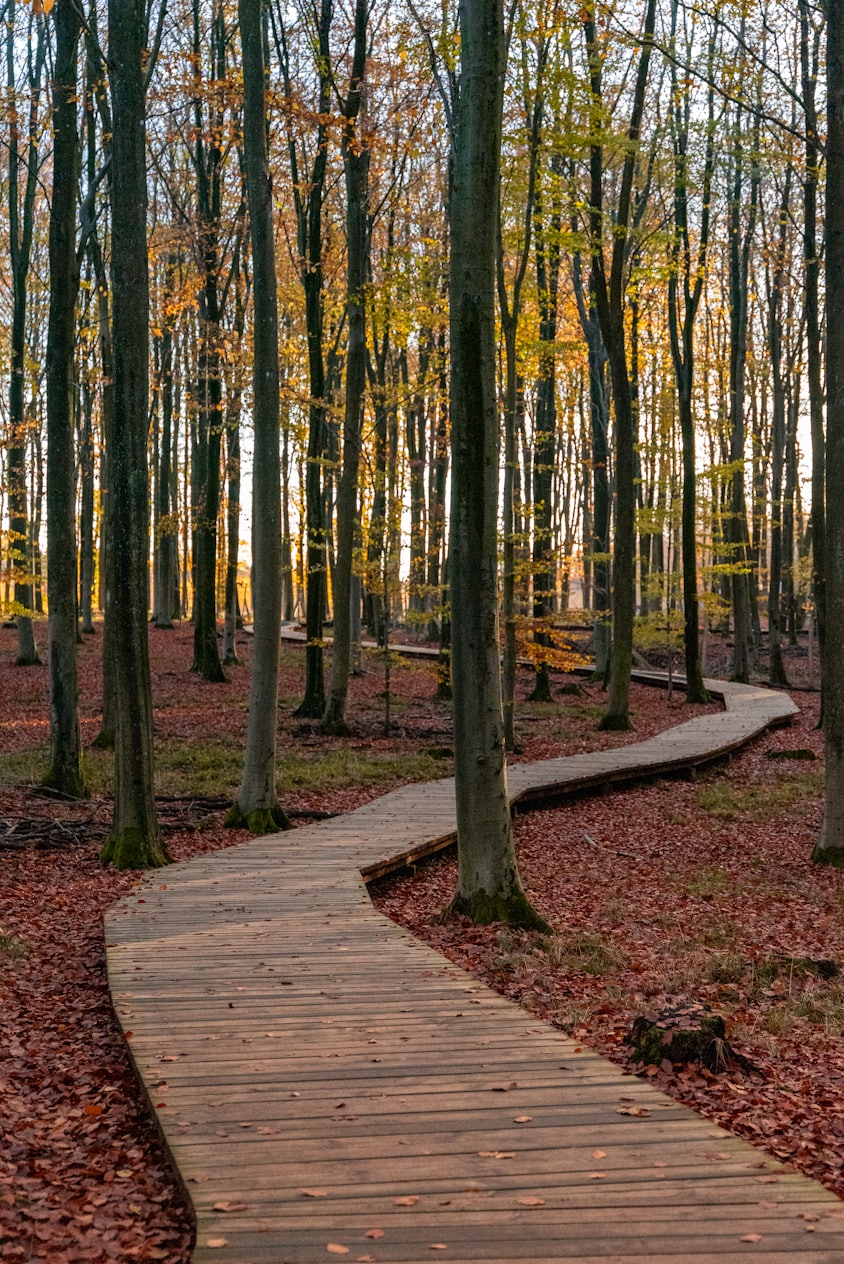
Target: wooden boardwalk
330,1086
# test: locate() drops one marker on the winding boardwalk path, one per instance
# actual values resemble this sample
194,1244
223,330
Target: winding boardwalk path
329,1086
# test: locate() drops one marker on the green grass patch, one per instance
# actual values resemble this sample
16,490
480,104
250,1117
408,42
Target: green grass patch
730,801
348,766
214,767
707,883
823,1009
585,953
12,948
726,967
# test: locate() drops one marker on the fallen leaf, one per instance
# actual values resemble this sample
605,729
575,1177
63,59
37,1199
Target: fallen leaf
375,1233
93,1110
599,1154
523,1119
640,1112
213,1242
497,1154
438,1246
530,1201
337,1248
597,1176
751,1237
408,1200
314,1193
229,1206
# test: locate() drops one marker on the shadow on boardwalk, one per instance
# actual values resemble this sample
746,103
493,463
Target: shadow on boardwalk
329,1086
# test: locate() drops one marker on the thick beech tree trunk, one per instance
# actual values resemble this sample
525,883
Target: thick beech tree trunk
257,803
135,839
830,846
65,772
489,888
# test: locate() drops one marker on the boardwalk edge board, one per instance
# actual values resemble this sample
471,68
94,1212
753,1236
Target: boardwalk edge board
259,979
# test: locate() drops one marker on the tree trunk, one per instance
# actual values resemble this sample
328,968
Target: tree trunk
21,216
489,888
356,166
830,846
308,194
65,772
609,297
257,803
682,346
135,839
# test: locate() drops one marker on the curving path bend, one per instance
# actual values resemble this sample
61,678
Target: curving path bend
329,1086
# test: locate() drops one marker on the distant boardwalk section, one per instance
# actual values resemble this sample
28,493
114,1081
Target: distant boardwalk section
329,1086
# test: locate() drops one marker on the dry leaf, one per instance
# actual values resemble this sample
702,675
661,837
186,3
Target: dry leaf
229,1206
640,1112
337,1248
597,1176
216,1242
93,1110
314,1193
438,1246
497,1154
375,1233
530,1201
599,1154
409,1200
751,1237
523,1119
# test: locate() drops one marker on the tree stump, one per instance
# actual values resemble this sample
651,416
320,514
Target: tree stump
691,1034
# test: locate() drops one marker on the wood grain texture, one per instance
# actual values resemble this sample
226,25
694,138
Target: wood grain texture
319,1074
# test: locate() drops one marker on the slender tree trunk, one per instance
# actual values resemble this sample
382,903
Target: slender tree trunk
598,540
21,219
208,164
609,295
135,840
86,509
809,60
489,888
356,166
830,846
545,433
65,772
257,803
682,348
166,542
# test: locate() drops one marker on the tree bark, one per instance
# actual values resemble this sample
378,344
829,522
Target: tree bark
257,803
682,346
356,166
830,846
609,296
135,840
21,222
65,771
489,888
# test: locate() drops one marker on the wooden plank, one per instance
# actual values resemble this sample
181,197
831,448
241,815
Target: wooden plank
290,1037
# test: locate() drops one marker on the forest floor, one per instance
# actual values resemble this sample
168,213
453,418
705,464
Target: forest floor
661,896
